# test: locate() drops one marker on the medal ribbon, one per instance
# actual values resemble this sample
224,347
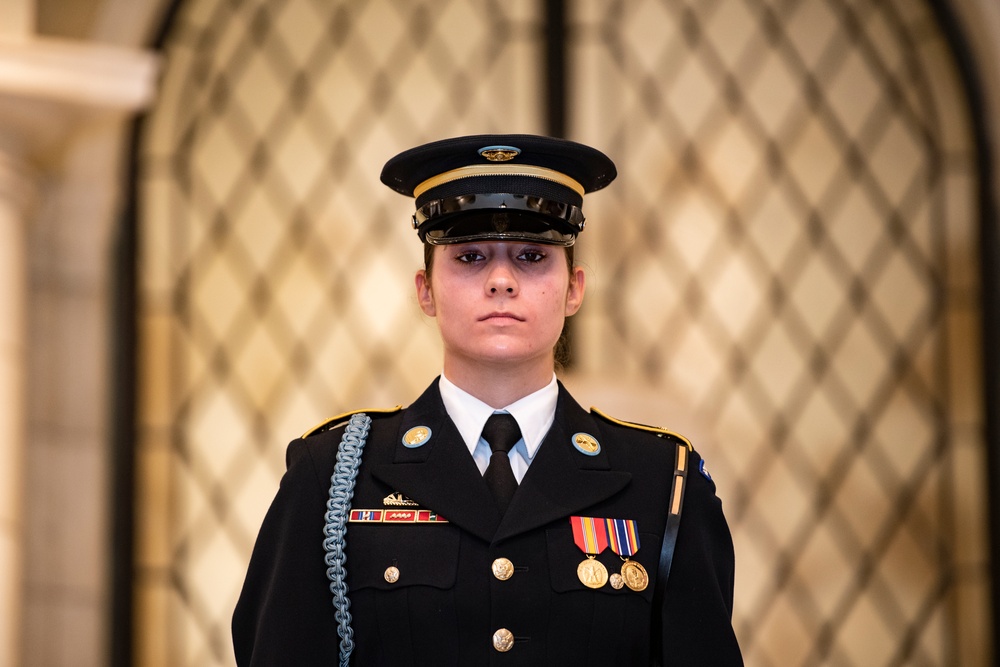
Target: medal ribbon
590,534
624,536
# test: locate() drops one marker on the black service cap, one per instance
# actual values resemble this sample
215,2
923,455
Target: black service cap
499,187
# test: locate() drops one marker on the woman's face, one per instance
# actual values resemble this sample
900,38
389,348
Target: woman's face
500,301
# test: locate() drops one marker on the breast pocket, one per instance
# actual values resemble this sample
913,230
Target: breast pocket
566,574
402,583
385,557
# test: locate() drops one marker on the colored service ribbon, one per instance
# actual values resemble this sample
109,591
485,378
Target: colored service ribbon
590,534
624,536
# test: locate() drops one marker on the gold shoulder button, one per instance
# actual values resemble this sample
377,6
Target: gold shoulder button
330,423
643,427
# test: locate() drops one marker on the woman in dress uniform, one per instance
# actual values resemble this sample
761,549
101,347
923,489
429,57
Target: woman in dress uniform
494,521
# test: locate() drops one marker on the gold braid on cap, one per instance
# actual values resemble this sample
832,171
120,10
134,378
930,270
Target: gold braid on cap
499,170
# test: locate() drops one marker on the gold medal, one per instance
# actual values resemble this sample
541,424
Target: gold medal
592,573
634,575
616,581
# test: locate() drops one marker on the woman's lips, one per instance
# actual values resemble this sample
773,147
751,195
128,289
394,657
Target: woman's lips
501,316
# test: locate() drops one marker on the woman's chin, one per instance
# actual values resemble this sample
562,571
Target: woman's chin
508,355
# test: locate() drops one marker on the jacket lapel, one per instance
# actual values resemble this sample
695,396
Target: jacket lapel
562,480
440,475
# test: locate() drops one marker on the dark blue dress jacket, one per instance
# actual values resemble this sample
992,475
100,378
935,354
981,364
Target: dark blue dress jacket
446,604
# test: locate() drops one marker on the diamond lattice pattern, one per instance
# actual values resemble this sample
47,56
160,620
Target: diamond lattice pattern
771,264
278,270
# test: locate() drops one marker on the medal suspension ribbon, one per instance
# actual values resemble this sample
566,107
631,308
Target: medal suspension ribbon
624,537
590,534
345,473
593,535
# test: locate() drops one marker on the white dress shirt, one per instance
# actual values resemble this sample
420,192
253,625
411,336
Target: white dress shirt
534,415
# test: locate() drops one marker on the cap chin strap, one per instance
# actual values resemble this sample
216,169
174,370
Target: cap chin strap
551,238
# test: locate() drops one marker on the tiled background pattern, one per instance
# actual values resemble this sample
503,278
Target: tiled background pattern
774,265
277,269
810,299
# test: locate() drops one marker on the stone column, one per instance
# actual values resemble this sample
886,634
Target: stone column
50,90
15,189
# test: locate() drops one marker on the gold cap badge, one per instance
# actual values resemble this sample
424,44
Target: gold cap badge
499,153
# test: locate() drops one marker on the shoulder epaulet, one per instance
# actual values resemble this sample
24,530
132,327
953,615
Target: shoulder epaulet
338,419
642,427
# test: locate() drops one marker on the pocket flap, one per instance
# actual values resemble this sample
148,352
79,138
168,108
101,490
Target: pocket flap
422,555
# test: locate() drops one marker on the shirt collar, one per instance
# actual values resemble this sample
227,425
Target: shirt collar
534,413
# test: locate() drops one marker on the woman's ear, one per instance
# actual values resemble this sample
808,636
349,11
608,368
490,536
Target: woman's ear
424,296
577,286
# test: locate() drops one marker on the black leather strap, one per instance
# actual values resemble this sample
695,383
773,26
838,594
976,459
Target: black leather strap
678,483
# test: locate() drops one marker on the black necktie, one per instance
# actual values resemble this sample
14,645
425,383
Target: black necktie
502,433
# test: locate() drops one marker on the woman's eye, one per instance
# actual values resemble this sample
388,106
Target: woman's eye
531,256
469,256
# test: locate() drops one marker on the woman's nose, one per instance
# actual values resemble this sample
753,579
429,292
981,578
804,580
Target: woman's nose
501,279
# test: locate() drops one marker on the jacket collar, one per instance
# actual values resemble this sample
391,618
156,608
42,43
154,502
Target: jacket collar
441,475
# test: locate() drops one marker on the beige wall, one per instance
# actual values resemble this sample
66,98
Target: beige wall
755,303
827,364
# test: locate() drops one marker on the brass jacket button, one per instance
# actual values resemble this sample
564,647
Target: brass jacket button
391,574
503,640
503,569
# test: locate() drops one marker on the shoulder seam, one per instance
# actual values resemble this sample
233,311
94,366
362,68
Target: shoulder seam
332,421
642,427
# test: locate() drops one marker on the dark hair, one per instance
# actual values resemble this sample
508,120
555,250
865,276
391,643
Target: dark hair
562,355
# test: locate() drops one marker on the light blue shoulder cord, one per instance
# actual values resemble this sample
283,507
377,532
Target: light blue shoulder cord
345,472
